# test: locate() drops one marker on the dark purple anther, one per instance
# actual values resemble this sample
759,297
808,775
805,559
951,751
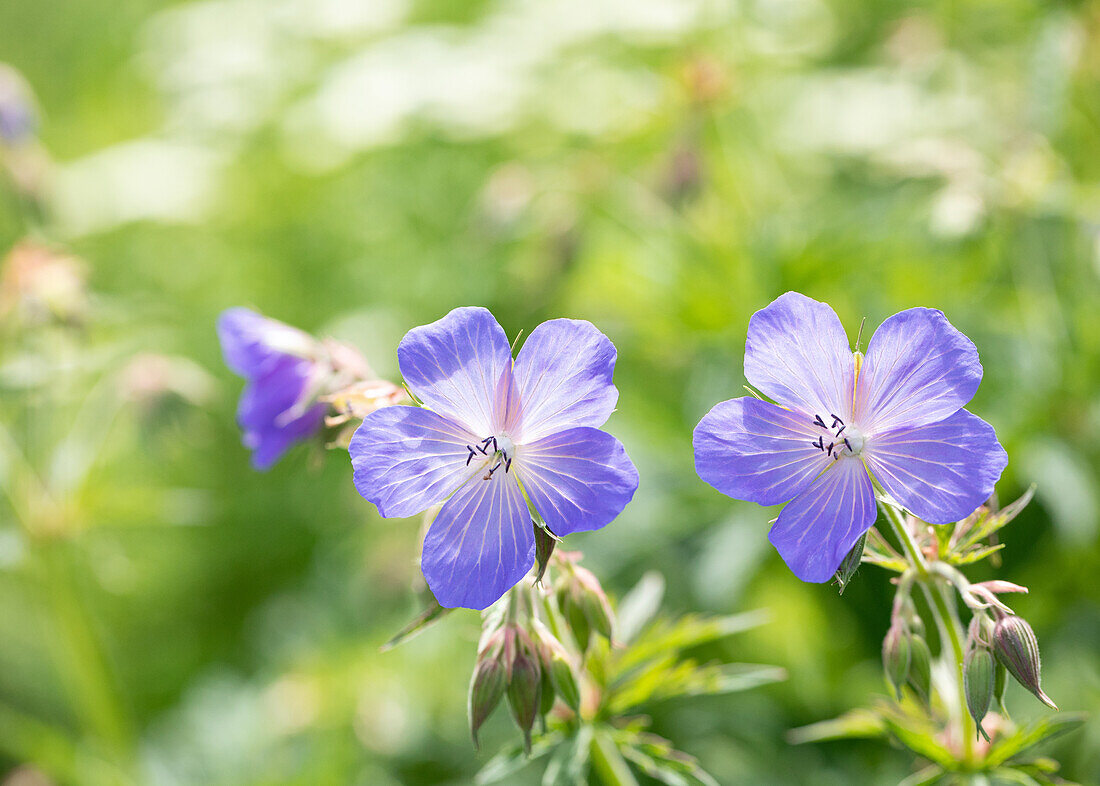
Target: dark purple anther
819,422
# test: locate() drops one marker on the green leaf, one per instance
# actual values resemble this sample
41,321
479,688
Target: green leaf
975,555
1042,730
990,522
926,777
664,637
639,606
669,678
653,768
921,741
425,619
512,759
569,764
609,762
856,724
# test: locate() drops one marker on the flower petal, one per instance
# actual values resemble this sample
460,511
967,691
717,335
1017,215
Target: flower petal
563,373
407,459
940,472
480,544
578,479
798,354
753,450
455,366
919,369
239,331
267,411
269,444
818,528
251,342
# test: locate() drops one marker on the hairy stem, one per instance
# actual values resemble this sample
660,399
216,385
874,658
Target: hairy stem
947,620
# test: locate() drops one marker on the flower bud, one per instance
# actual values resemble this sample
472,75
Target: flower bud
544,548
577,620
546,693
524,694
594,602
565,681
978,681
1016,647
1000,684
920,666
486,689
896,655
850,564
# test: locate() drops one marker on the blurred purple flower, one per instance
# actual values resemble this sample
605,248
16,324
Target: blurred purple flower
897,414
18,119
277,361
494,435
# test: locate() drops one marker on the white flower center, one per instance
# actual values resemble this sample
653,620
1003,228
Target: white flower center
495,451
837,438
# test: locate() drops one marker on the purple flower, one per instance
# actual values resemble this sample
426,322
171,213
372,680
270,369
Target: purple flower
896,413
276,360
494,436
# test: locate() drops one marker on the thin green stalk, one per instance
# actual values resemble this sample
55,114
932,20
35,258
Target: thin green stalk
947,621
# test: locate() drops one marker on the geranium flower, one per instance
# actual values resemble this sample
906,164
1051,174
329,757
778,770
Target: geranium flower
493,436
279,363
896,414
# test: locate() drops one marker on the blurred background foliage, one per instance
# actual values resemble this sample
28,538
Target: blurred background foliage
661,167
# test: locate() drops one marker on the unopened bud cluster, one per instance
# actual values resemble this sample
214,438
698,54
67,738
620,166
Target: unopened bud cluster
906,657
522,660
996,648
584,605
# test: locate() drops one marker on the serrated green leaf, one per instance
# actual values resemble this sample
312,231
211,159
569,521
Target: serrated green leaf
976,555
992,522
1042,730
665,637
669,678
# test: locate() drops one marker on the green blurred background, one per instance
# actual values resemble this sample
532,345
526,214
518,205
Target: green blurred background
662,168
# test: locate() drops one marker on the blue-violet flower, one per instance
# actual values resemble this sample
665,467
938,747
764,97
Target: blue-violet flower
494,435
280,366
896,414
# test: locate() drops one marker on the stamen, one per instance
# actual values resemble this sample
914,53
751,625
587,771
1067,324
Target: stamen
849,444
830,450
840,430
820,444
835,420
471,456
507,465
819,422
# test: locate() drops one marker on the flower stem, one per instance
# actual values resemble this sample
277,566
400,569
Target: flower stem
947,620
